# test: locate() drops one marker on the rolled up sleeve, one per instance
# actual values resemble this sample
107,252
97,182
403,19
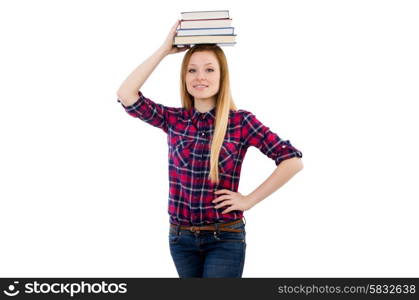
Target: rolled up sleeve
254,133
147,110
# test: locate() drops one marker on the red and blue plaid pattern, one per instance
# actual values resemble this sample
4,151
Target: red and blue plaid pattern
189,134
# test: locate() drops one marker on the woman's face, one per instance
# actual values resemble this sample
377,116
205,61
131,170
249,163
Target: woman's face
203,75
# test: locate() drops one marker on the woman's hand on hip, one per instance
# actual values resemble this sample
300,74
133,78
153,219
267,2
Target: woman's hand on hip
236,201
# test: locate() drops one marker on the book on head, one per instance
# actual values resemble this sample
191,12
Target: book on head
208,14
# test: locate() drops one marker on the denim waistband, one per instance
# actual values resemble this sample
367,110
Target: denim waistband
238,224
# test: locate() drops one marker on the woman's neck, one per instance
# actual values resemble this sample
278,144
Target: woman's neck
204,105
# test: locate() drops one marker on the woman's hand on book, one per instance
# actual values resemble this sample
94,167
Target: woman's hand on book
168,47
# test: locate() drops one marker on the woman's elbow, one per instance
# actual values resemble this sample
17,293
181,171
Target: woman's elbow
294,163
297,163
300,164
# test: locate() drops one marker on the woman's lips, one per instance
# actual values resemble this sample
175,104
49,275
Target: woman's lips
200,87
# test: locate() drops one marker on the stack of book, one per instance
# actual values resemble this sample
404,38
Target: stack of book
205,27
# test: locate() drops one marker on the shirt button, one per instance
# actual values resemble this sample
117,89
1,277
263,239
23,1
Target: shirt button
203,133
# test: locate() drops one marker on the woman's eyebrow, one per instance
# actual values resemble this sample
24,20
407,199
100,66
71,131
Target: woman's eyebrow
204,65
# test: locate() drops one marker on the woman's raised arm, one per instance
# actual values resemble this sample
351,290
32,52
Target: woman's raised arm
128,91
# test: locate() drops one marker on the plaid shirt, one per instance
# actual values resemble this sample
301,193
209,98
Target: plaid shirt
189,134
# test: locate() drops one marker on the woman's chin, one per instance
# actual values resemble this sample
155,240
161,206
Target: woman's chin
202,95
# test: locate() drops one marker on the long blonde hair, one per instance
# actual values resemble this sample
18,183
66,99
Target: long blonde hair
224,102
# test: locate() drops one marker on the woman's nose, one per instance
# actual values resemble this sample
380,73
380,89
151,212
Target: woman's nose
200,75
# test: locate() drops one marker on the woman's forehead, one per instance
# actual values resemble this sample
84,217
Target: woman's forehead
203,58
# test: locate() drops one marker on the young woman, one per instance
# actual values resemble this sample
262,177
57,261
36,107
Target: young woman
208,139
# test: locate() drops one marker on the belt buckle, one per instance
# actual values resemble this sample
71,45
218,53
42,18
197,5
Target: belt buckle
193,229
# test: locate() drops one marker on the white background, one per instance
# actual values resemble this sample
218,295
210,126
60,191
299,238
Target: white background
84,186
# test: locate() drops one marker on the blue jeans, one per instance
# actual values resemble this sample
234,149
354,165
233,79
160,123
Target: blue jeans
208,253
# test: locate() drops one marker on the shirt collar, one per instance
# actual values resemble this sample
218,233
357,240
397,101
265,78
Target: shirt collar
206,115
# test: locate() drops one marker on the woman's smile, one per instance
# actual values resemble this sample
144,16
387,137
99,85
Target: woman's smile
200,87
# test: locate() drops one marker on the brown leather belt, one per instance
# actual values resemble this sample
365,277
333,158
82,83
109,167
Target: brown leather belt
221,227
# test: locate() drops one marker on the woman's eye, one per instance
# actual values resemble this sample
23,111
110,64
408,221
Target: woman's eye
193,70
